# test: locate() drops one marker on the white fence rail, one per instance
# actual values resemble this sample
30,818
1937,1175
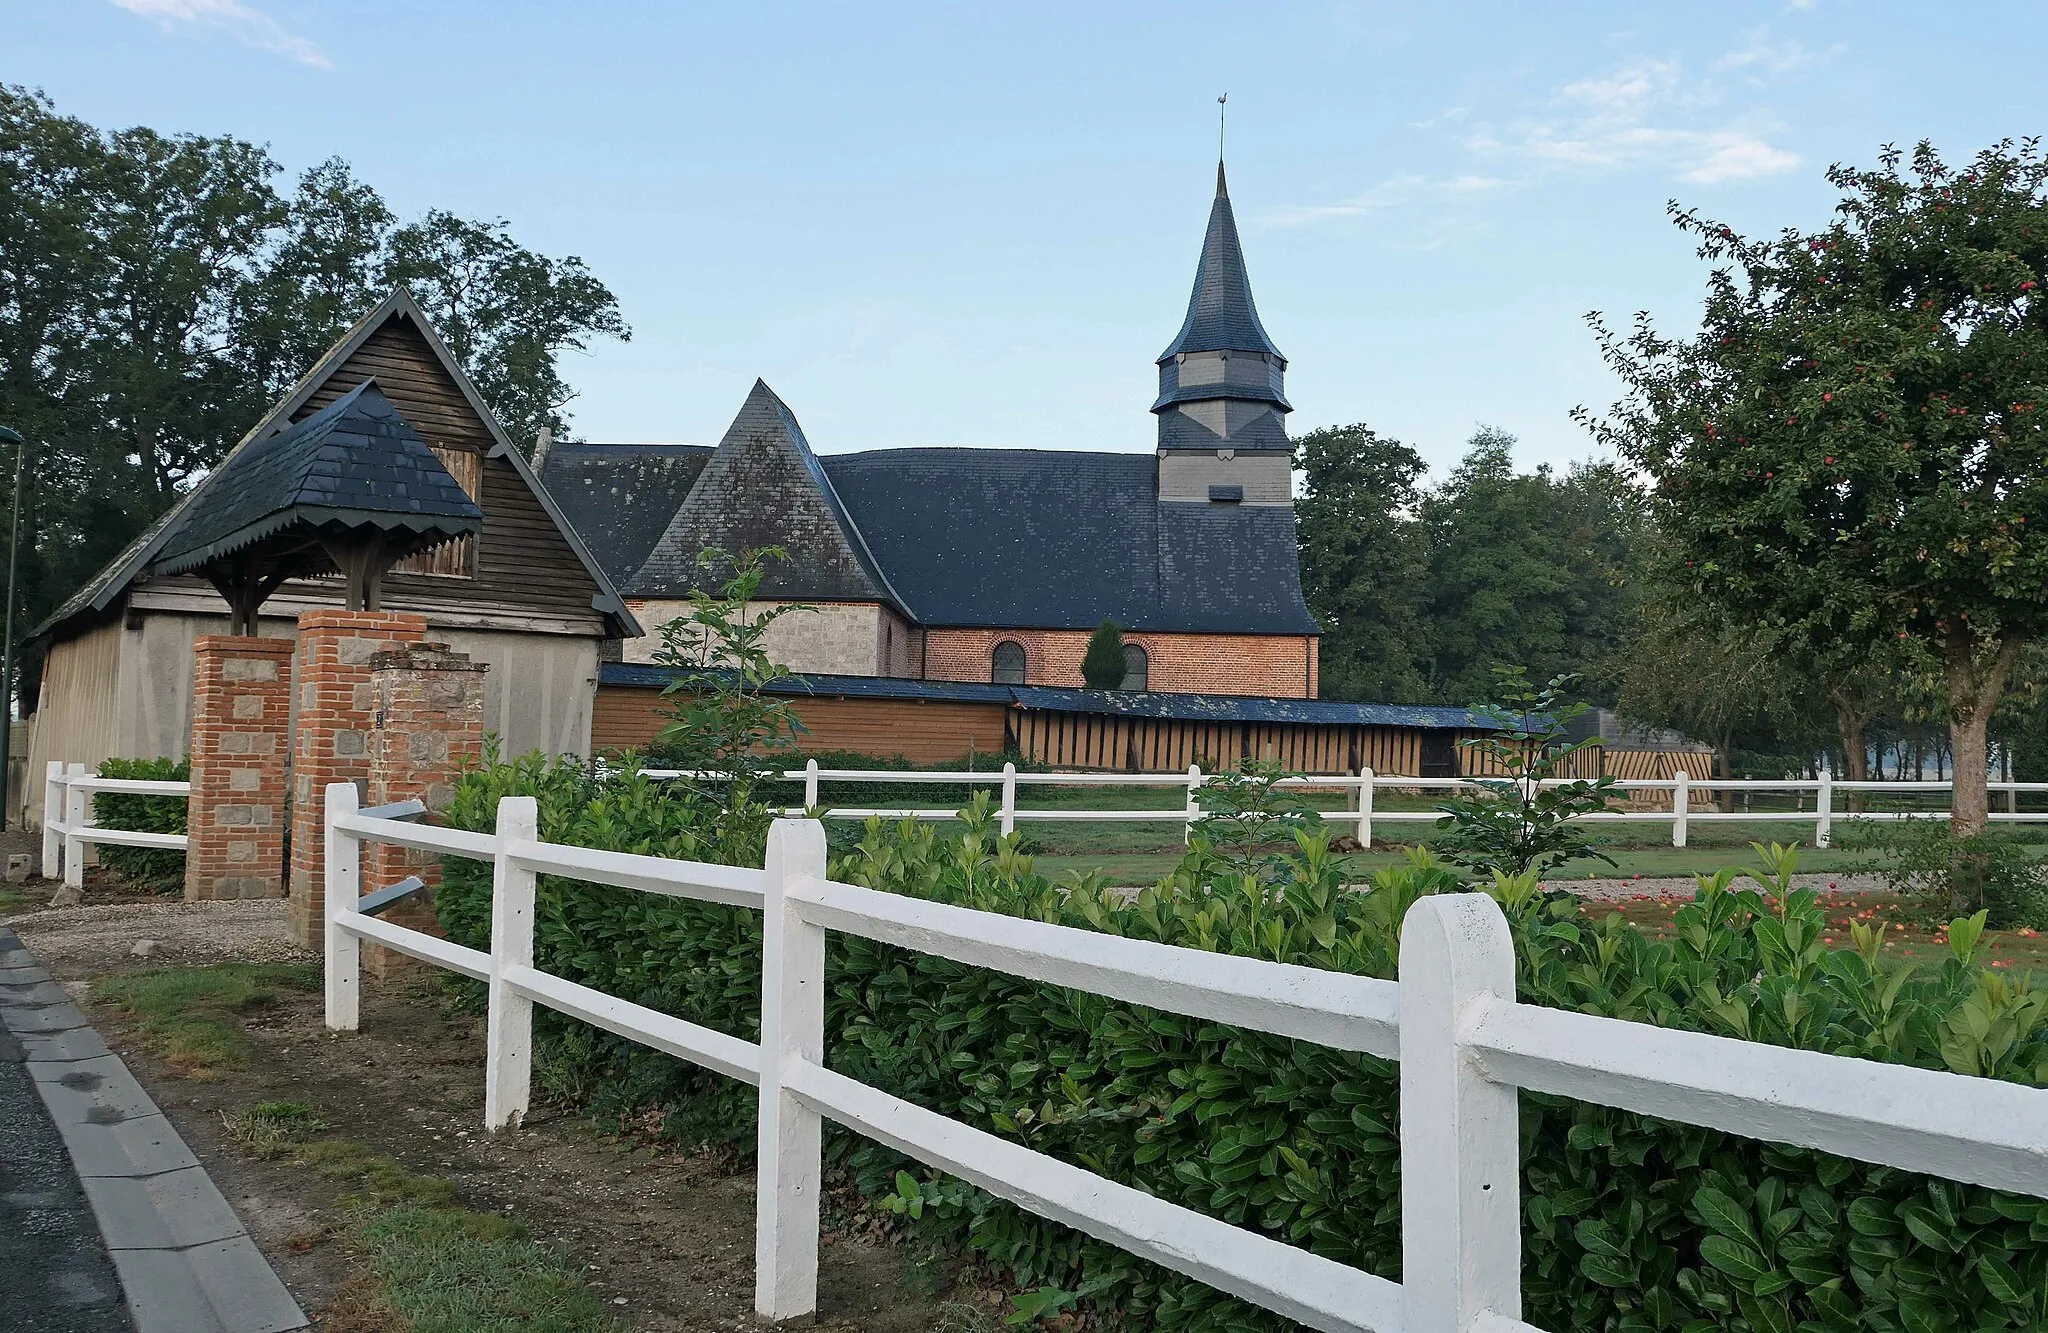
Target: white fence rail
68,824
1464,1044
1363,787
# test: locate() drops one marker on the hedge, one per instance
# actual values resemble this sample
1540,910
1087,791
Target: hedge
1630,1223
158,869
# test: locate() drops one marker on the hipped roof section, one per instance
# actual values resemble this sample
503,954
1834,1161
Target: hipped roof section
101,591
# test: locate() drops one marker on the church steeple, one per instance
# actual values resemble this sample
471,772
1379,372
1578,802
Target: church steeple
1222,381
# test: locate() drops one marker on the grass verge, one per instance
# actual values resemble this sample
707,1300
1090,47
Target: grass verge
192,1016
432,1265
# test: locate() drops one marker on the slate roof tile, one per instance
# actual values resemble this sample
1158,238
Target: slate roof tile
1221,315
355,461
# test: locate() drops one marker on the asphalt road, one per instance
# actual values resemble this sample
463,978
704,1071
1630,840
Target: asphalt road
55,1276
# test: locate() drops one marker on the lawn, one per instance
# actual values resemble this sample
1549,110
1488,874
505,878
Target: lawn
1142,853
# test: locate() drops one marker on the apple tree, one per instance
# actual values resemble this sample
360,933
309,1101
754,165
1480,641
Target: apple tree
1851,451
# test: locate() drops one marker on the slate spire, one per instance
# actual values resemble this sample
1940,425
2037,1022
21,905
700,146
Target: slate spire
1221,380
1221,314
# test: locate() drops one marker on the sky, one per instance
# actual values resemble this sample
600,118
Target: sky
945,224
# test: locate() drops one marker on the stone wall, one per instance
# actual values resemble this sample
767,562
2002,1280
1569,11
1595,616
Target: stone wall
833,638
426,724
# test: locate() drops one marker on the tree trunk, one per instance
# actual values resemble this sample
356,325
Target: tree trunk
1974,688
1855,751
1724,756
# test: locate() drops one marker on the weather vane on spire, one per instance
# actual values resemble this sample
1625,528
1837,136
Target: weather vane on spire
1219,125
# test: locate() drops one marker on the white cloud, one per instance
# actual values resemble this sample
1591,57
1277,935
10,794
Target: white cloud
1394,192
1741,158
252,27
1643,116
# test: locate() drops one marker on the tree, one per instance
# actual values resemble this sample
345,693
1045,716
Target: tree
1851,449
508,314
1102,666
1524,568
1364,563
1713,681
157,293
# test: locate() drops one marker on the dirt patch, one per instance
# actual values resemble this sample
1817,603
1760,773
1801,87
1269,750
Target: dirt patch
667,1238
1682,887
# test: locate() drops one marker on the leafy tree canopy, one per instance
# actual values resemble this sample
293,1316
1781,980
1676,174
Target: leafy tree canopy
1850,448
157,292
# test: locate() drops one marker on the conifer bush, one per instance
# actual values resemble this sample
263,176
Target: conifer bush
1629,1224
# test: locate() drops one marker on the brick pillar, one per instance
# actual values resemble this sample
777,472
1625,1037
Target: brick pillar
241,712
427,725
332,675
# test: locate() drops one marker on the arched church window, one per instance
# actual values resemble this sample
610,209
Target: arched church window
1137,666
1007,665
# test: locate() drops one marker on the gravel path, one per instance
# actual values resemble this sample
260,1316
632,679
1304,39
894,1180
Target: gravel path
98,937
1683,886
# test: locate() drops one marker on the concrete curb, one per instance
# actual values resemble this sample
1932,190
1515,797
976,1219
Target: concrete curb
185,1261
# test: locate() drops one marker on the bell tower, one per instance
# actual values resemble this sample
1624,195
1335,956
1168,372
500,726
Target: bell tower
1222,406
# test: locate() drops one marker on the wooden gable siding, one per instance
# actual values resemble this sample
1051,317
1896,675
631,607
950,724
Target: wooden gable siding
523,562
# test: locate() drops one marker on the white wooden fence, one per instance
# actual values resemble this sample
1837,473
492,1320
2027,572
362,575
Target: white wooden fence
1464,1044
68,818
1363,787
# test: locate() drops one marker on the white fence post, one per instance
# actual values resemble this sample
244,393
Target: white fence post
810,784
75,798
53,815
1681,804
1365,783
1461,1225
792,1030
1824,808
1009,799
508,1052
1194,812
342,890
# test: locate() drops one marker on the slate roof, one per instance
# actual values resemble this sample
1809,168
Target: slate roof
1125,703
620,497
764,487
355,462
1031,538
1221,315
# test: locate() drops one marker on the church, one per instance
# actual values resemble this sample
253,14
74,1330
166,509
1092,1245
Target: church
994,565
952,590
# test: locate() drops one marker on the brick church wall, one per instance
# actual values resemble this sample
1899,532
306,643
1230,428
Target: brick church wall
1278,666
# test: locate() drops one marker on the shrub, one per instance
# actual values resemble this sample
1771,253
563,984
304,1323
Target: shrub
1517,823
1102,664
1629,1223
158,869
1993,871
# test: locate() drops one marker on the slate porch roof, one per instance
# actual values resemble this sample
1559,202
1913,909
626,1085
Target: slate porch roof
355,462
994,538
1122,703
